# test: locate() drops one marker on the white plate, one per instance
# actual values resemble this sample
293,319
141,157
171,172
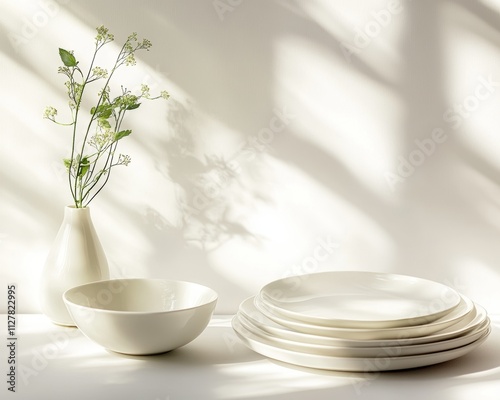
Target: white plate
358,299
354,364
470,322
464,310
467,324
395,350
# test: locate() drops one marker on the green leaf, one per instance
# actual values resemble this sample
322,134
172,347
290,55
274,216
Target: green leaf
67,58
104,123
103,111
67,162
122,134
133,106
84,167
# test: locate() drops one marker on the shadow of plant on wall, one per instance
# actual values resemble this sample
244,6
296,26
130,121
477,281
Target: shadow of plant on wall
207,186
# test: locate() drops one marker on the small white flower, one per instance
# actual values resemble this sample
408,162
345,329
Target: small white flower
99,72
49,113
123,159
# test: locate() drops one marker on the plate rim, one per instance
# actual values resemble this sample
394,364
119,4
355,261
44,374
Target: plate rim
353,364
396,333
480,315
416,349
357,323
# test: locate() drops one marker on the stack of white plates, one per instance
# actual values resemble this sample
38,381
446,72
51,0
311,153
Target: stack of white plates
360,321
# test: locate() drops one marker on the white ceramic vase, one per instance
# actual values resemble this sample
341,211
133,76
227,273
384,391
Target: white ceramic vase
76,258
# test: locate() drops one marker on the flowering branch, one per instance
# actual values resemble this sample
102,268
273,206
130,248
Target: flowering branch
90,168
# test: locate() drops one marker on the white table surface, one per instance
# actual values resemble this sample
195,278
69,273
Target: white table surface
60,363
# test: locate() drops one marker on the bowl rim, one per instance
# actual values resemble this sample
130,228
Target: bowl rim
105,310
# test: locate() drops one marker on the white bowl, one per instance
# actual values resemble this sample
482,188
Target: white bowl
141,316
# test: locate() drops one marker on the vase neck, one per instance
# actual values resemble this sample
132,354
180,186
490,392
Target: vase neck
72,213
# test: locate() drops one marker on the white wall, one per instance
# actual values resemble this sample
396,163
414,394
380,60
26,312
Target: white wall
358,85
